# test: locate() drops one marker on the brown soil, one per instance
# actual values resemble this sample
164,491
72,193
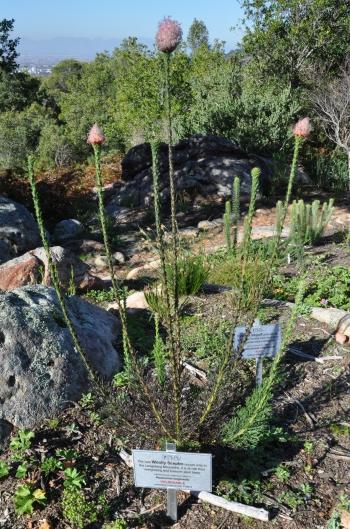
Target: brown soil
68,189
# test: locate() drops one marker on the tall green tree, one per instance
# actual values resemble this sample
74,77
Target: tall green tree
8,47
285,37
18,90
198,35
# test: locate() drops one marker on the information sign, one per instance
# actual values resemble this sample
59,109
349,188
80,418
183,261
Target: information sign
264,341
172,470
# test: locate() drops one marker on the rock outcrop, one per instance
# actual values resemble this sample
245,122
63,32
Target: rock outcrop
41,371
204,165
18,230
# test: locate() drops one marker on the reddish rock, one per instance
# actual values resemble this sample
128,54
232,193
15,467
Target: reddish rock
344,325
24,270
341,338
32,268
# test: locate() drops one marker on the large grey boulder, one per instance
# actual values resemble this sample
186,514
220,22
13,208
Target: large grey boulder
18,230
203,165
41,372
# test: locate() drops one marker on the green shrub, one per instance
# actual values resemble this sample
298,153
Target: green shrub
245,491
244,275
100,296
50,464
21,443
309,221
192,274
204,338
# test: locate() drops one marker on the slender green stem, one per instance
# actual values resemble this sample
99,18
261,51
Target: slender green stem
175,249
165,280
54,274
235,209
292,175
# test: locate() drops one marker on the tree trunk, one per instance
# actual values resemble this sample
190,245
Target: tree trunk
349,170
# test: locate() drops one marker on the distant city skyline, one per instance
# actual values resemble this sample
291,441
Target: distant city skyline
40,23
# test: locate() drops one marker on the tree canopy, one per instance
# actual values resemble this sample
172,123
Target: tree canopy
198,35
8,47
285,37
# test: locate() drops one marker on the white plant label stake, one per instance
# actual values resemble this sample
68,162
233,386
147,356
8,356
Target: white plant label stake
172,471
264,341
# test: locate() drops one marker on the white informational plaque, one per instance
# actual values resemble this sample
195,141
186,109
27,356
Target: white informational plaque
172,470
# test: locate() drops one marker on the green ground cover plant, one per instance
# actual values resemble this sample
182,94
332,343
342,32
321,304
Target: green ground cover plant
325,287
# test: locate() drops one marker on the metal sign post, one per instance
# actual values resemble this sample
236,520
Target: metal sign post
259,371
171,493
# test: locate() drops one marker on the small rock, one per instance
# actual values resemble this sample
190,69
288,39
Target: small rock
137,300
101,261
345,519
32,268
68,229
341,338
85,246
188,233
45,524
117,212
119,258
207,225
18,230
344,325
24,270
139,271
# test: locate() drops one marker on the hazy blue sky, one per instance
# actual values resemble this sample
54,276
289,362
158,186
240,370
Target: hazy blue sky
117,18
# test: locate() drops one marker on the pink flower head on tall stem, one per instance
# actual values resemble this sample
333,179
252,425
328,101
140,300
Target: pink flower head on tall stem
302,128
96,136
169,35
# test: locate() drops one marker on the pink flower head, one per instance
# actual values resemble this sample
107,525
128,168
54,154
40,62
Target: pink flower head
302,128
169,35
96,136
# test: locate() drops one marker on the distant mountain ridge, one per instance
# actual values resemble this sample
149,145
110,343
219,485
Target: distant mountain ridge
58,48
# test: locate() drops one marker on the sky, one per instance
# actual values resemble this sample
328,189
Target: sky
43,19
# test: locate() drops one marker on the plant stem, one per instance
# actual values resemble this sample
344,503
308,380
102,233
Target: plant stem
293,170
54,274
175,252
235,209
162,255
